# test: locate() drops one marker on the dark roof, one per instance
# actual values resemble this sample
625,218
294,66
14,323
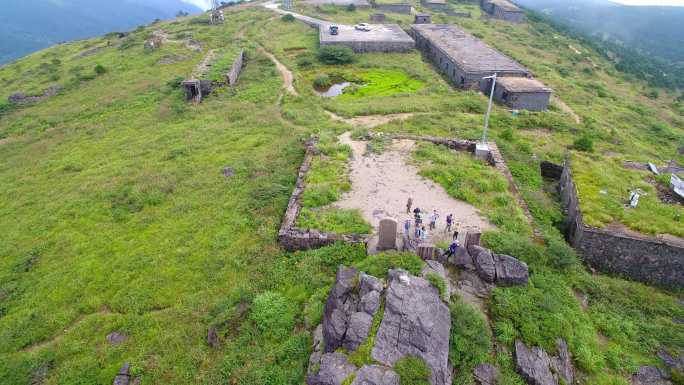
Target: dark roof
467,51
520,84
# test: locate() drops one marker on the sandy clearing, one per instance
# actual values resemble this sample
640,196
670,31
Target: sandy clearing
381,185
286,73
370,121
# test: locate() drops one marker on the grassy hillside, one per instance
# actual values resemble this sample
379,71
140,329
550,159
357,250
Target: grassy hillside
116,215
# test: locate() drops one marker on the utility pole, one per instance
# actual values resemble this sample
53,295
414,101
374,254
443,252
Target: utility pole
482,148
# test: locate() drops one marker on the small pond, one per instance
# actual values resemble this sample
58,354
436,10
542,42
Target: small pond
334,90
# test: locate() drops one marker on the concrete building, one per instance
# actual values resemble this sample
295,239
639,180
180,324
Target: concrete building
380,38
520,93
503,9
422,18
462,57
377,18
435,4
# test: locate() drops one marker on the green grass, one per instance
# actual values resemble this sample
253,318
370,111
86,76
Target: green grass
362,355
222,64
335,220
382,83
116,216
438,282
412,371
470,342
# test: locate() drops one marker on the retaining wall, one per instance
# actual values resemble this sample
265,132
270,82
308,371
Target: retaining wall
292,238
397,8
234,73
373,46
641,258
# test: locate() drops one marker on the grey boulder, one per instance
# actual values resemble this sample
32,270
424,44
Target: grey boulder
534,365
485,374
416,323
539,368
334,369
341,303
484,263
376,375
357,330
510,271
650,375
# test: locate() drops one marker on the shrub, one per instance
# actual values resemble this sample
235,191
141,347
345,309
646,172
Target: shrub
471,338
412,371
351,7
273,314
584,143
322,81
175,82
332,54
304,61
437,281
380,263
100,69
288,18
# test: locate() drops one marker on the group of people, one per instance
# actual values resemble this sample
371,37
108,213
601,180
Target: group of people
420,233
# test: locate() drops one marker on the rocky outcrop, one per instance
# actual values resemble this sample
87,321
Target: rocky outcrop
376,375
21,98
485,374
334,369
434,267
539,368
416,323
650,375
349,310
500,269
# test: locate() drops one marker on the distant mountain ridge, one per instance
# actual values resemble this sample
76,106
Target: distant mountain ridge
30,25
651,30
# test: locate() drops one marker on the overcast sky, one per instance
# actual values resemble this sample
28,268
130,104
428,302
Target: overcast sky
650,2
206,4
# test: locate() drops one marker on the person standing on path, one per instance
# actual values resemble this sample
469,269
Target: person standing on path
407,227
423,234
433,219
449,221
409,203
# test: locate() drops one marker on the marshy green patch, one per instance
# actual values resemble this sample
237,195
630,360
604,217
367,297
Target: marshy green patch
375,82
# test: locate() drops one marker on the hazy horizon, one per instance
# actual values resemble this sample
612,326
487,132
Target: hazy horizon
641,3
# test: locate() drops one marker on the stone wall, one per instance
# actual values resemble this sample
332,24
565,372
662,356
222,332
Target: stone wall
396,7
531,101
292,238
234,73
512,16
641,258
373,46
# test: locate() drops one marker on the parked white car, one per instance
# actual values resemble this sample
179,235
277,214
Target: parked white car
362,27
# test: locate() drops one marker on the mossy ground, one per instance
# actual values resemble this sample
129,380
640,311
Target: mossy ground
116,216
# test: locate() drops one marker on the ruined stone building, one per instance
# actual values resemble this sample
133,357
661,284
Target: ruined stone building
503,9
463,58
422,18
520,93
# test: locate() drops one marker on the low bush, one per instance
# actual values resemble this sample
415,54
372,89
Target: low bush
287,18
379,264
412,371
584,143
100,69
471,339
333,54
273,314
322,81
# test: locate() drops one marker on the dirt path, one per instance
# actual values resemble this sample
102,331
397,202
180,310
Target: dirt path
286,73
370,121
204,66
565,108
381,184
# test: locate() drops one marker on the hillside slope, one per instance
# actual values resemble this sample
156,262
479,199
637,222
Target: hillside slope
27,26
117,215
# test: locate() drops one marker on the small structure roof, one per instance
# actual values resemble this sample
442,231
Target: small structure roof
505,5
435,1
378,32
521,84
469,52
